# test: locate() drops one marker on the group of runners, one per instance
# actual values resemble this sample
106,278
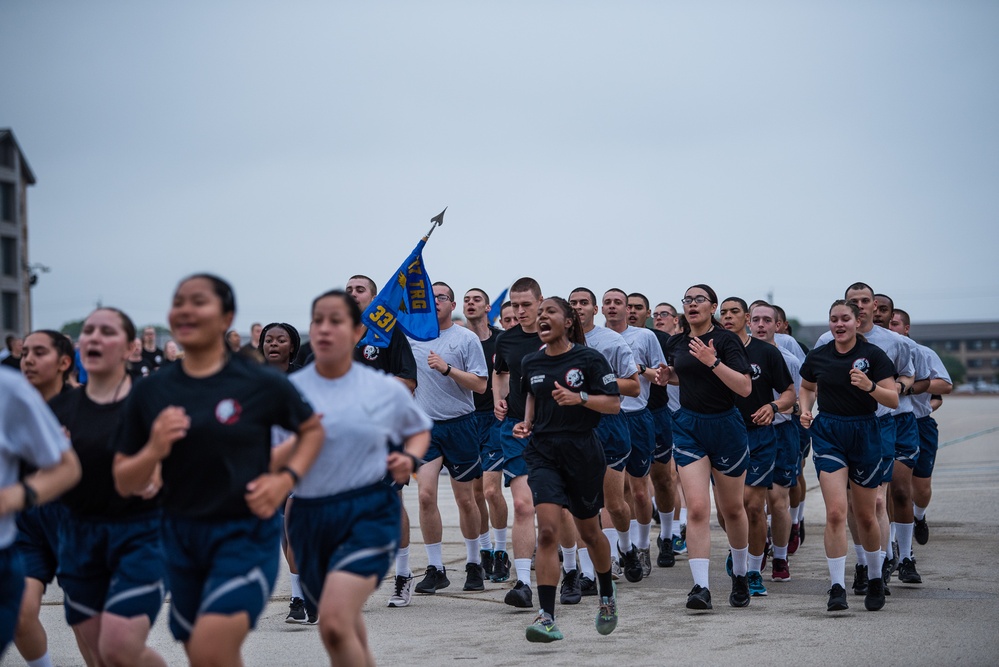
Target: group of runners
188,480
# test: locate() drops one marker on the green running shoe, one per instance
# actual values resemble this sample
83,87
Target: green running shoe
543,629
607,614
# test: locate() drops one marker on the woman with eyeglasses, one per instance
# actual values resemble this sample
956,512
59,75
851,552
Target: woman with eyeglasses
709,438
852,377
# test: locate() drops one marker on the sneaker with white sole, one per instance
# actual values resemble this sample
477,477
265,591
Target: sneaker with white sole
403,593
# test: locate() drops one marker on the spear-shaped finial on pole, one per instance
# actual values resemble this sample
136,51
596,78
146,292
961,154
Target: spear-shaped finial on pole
437,220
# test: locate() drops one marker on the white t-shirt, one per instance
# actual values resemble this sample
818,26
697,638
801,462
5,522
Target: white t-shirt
364,411
789,344
794,367
28,432
648,352
921,402
438,394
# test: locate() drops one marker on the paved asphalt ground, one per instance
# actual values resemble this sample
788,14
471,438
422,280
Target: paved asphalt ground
953,617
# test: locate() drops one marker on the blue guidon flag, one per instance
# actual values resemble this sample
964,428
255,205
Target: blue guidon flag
407,302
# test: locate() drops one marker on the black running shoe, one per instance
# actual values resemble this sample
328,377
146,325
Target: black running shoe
907,572
801,532
699,598
875,598
837,599
296,611
501,566
488,559
570,592
433,580
921,531
587,586
860,580
740,591
666,556
886,569
632,564
520,596
473,577
895,557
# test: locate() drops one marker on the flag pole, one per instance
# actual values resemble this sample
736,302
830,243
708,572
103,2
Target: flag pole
437,221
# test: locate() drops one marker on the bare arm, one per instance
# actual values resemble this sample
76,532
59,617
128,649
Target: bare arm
630,386
268,491
501,389
48,484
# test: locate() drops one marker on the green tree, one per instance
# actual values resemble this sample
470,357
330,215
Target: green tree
954,367
72,329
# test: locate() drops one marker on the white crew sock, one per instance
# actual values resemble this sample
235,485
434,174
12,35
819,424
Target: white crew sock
892,527
666,529
780,552
585,564
683,516
903,532
434,556
918,512
875,561
296,587
740,558
699,570
644,539
859,550
569,558
753,564
402,562
499,535
611,536
623,540
484,543
472,551
837,570
523,567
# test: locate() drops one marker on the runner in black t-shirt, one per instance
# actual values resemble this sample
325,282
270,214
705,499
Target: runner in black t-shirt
151,355
769,376
511,347
207,421
849,377
568,387
111,562
709,438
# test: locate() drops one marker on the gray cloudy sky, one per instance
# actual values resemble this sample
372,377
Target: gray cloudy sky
785,146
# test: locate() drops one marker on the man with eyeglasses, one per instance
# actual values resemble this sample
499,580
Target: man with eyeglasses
673,529
450,368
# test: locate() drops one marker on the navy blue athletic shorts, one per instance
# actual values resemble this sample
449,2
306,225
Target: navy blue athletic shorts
887,446
664,435
490,445
513,451
457,441
906,439
787,462
721,437
38,540
849,442
642,430
11,590
614,436
929,441
762,456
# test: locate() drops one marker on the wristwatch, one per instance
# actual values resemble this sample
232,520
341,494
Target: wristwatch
774,407
583,397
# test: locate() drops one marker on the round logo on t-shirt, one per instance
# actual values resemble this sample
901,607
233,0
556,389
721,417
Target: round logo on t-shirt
755,368
861,364
574,378
370,352
228,411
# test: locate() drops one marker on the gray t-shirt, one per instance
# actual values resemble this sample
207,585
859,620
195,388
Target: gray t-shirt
364,411
893,345
921,402
615,349
648,352
28,432
794,367
789,344
438,394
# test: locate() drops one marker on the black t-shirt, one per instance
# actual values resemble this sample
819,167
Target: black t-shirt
153,359
484,401
91,428
769,373
396,359
511,347
580,369
141,368
229,442
700,389
12,361
658,397
830,371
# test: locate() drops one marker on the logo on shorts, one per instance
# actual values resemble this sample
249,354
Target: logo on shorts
862,364
228,411
370,352
755,368
574,378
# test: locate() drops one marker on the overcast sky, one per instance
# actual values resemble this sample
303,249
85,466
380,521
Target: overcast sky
765,146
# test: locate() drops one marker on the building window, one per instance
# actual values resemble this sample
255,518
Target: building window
994,344
974,363
7,201
8,256
9,311
995,362
950,345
